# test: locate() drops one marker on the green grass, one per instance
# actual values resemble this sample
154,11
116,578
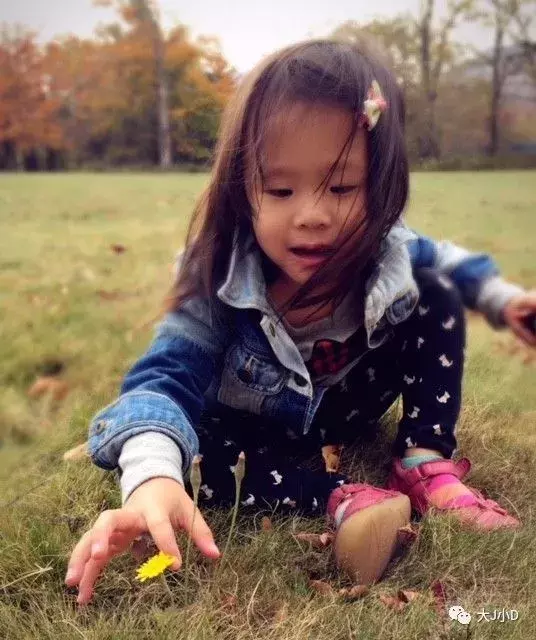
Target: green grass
54,258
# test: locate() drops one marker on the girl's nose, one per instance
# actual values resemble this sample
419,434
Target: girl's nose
312,211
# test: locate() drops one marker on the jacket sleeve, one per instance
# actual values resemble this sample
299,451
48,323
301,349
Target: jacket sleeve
476,275
164,390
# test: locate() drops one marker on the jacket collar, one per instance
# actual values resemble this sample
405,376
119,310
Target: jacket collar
245,287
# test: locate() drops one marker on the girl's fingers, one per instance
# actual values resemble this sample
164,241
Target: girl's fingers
92,571
523,332
201,533
79,556
94,543
119,542
163,534
111,521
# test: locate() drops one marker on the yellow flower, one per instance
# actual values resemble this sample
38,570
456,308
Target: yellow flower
154,566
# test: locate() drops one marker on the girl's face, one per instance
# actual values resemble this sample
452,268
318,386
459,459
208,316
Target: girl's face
301,145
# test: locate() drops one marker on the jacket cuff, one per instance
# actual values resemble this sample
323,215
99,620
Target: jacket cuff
493,296
146,456
139,412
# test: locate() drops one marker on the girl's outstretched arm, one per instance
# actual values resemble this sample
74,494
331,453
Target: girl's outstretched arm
476,275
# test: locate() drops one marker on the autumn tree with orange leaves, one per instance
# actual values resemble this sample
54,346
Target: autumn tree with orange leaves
119,98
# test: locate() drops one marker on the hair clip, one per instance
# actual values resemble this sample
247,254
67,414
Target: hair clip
374,105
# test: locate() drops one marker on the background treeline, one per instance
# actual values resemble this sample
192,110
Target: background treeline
136,95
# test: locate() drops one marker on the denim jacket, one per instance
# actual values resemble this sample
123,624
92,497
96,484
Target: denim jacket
231,350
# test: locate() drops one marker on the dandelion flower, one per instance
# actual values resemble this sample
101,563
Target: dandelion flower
154,566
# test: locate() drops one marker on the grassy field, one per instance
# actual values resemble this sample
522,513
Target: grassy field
68,299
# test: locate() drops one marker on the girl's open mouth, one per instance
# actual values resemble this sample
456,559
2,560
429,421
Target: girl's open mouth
310,258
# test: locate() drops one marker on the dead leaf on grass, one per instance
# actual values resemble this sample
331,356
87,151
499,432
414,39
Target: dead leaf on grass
332,454
230,601
406,595
282,613
110,295
79,452
118,248
440,597
58,389
322,587
407,535
266,524
316,540
116,294
393,602
355,592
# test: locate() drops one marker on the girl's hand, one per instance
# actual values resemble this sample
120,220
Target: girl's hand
517,312
159,506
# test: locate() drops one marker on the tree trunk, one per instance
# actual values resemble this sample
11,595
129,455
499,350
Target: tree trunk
428,141
164,133
496,88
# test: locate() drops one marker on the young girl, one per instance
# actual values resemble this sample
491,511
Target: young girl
302,308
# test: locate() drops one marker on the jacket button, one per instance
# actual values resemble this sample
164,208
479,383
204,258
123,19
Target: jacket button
300,380
100,426
244,375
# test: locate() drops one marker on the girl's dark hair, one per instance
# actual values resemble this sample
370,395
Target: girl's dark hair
317,71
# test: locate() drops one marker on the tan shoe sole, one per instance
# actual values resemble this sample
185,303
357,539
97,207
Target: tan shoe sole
368,539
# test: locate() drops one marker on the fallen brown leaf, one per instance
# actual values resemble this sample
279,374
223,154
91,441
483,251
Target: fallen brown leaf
393,602
322,587
79,452
327,538
440,597
109,295
282,613
407,535
266,524
355,592
116,294
58,389
529,358
230,601
316,540
118,248
406,595
331,454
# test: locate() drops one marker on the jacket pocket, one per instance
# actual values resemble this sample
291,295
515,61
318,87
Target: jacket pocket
247,378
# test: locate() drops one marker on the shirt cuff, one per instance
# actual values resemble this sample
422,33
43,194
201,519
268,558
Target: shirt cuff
494,294
145,456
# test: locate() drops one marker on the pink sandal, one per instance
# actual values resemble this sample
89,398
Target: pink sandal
367,534
474,509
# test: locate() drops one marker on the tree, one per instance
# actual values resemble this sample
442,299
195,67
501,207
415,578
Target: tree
436,53
419,54
28,112
509,22
397,39
143,15
96,101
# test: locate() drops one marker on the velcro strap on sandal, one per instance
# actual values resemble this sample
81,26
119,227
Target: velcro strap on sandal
435,468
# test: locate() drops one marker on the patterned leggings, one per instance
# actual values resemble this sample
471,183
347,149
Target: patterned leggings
422,361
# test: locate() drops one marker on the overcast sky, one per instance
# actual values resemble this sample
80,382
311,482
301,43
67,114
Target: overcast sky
247,29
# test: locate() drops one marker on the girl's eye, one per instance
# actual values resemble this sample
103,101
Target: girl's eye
343,189
283,193
279,193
